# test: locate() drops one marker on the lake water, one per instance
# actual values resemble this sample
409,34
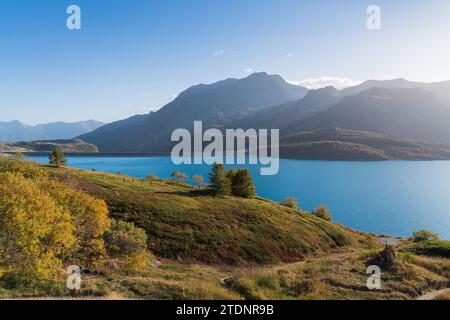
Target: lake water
392,197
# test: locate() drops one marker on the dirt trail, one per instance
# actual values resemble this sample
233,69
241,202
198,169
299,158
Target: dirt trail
433,295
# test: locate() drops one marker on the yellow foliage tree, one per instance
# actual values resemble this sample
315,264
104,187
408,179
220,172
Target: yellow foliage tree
90,217
36,234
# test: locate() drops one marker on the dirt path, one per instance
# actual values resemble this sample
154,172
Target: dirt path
433,295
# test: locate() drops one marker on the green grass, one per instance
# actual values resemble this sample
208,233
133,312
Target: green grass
233,248
187,224
434,248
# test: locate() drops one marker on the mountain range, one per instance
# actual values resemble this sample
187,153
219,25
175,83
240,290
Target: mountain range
404,113
392,119
215,104
412,116
15,131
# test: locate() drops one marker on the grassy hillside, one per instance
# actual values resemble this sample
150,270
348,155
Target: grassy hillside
187,224
434,248
231,248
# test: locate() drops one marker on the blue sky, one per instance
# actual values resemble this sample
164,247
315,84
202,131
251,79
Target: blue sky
133,56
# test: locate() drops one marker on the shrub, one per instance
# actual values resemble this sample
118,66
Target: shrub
125,238
425,235
127,242
26,169
290,202
323,213
136,262
90,217
36,234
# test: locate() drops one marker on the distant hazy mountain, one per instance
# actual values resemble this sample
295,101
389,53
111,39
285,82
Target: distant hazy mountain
404,113
213,104
17,131
69,146
441,90
291,113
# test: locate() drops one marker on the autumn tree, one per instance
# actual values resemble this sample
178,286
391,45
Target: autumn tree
36,234
179,176
90,217
219,182
425,235
57,158
199,181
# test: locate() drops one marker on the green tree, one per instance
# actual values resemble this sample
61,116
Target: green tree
218,181
242,184
322,212
425,235
56,158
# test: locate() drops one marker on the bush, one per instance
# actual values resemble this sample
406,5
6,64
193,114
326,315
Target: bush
290,202
124,238
127,242
26,169
90,217
322,212
425,235
136,262
36,234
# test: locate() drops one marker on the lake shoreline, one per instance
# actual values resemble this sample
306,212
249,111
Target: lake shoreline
167,154
381,197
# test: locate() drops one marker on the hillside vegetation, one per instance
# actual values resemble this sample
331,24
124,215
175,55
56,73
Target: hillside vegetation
188,224
163,239
432,248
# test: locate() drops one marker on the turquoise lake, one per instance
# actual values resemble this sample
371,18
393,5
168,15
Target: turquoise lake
392,197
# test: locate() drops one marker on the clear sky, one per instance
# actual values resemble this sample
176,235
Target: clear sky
133,56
